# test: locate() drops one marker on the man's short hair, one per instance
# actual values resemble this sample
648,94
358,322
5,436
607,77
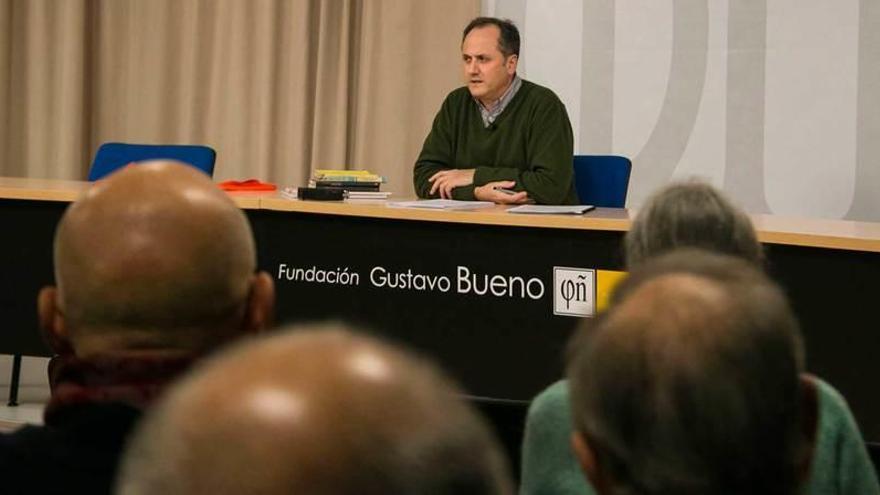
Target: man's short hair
691,214
316,409
690,383
508,40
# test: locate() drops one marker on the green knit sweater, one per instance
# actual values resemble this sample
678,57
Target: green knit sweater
530,143
841,465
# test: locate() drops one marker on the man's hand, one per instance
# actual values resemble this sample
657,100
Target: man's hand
447,180
489,192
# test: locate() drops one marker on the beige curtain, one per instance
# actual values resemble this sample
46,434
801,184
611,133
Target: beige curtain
277,87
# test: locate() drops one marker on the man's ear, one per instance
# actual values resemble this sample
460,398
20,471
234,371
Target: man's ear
511,64
261,304
810,424
587,459
51,321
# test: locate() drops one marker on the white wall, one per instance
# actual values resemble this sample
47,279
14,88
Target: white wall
775,101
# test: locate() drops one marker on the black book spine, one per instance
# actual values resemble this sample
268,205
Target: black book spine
348,186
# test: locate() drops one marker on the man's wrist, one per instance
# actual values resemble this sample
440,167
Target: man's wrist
473,174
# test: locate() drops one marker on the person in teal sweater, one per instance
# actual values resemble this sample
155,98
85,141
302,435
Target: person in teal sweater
692,215
841,465
499,138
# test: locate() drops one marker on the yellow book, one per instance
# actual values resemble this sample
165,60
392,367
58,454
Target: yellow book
346,176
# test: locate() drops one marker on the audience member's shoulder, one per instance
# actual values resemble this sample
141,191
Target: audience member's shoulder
833,408
20,448
552,401
26,435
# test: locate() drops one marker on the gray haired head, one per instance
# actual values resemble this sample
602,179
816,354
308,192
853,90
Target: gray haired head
691,215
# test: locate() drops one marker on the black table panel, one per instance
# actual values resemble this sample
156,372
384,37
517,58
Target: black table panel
506,346
26,266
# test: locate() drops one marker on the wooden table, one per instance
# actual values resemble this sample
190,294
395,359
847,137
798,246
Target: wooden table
506,346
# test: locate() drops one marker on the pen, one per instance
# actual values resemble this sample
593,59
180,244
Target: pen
505,190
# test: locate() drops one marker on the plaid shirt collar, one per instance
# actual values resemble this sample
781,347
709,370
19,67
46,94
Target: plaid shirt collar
489,116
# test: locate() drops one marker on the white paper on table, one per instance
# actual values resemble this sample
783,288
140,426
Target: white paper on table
368,194
442,204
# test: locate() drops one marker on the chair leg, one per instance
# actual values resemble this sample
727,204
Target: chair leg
13,380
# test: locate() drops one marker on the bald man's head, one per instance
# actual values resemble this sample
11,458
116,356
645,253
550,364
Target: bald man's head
317,410
153,256
690,383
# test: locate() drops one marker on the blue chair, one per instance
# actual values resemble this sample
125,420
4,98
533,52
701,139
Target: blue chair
602,180
111,156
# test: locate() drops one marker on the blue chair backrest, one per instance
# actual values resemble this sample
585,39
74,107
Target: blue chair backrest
602,180
111,156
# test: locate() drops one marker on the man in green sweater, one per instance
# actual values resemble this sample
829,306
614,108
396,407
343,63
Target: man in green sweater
499,138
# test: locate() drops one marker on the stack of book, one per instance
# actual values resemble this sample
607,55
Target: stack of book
356,183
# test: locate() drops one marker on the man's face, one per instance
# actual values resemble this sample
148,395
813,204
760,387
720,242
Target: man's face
487,72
